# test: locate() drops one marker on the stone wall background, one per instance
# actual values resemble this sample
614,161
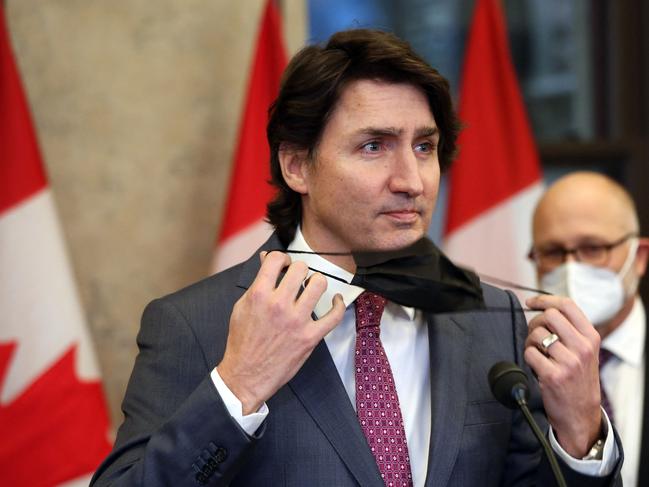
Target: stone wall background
136,105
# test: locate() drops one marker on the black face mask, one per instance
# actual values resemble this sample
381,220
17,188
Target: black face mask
419,276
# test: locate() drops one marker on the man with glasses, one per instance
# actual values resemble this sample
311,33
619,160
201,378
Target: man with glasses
587,245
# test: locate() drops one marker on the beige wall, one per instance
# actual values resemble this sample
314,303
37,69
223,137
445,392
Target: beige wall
136,104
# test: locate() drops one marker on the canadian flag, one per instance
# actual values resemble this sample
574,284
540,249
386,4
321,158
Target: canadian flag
53,415
243,228
496,180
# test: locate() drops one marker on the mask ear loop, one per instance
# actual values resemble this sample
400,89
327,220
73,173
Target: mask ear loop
495,280
508,284
628,262
318,253
630,257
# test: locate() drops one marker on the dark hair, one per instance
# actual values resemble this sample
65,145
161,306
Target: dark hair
312,85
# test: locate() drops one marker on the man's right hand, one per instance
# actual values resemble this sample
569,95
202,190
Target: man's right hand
272,332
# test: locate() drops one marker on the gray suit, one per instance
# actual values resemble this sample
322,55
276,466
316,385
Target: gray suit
178,432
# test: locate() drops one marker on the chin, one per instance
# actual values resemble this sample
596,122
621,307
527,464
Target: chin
399,240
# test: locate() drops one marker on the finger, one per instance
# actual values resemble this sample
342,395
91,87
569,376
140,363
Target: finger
272,265
539,363
559,354
553,321
545,320
536,335
557,350
567,307
332,318
557,322
292,280
314,288
537,320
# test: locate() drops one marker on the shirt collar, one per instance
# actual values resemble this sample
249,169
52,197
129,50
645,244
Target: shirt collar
316,262
627,340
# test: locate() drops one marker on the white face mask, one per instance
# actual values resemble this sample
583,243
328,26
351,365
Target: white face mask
598,291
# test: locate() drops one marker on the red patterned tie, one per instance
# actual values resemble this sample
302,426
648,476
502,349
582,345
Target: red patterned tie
377,404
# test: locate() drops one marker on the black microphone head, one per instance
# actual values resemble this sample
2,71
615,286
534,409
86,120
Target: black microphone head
507,380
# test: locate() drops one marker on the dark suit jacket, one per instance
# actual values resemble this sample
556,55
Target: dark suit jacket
178,432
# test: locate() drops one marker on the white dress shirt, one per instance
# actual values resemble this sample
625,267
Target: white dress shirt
623,380
404,335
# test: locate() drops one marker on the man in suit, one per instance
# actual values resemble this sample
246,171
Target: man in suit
587,245
270,373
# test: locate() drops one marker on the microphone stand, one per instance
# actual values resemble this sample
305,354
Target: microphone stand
519,394
509,384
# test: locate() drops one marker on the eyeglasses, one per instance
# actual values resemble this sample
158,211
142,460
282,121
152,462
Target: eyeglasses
594,254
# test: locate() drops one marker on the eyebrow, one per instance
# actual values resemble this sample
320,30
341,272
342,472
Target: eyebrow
393,131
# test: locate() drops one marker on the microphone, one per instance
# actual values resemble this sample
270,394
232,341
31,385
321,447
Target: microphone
509,386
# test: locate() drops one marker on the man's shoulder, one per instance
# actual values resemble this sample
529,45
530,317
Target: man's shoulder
502,313
227,284
496,297
209,285
218,290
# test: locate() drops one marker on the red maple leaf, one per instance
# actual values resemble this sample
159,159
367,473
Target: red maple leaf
56,430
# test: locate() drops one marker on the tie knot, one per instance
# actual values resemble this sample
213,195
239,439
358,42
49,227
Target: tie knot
604,356
369,308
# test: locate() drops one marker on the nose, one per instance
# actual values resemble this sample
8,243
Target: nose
406,175
570,256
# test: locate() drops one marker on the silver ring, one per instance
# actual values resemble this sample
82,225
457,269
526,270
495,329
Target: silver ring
549,340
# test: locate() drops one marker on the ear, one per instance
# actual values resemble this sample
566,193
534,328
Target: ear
642,256
293,163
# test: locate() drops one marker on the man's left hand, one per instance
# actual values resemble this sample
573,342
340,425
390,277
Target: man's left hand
568,371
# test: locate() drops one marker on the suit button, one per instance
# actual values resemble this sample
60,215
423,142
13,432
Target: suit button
220,455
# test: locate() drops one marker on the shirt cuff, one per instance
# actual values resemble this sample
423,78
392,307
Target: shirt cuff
594,468
250,422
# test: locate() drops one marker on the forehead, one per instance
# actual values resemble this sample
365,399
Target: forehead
381,104
575,214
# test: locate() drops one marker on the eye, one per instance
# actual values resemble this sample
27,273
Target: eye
552,253
549,257
592,251
372,146
425,147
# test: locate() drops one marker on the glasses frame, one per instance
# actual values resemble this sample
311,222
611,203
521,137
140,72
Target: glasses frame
534,254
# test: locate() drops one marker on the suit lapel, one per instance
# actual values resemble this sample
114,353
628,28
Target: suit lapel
449,356
319,388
